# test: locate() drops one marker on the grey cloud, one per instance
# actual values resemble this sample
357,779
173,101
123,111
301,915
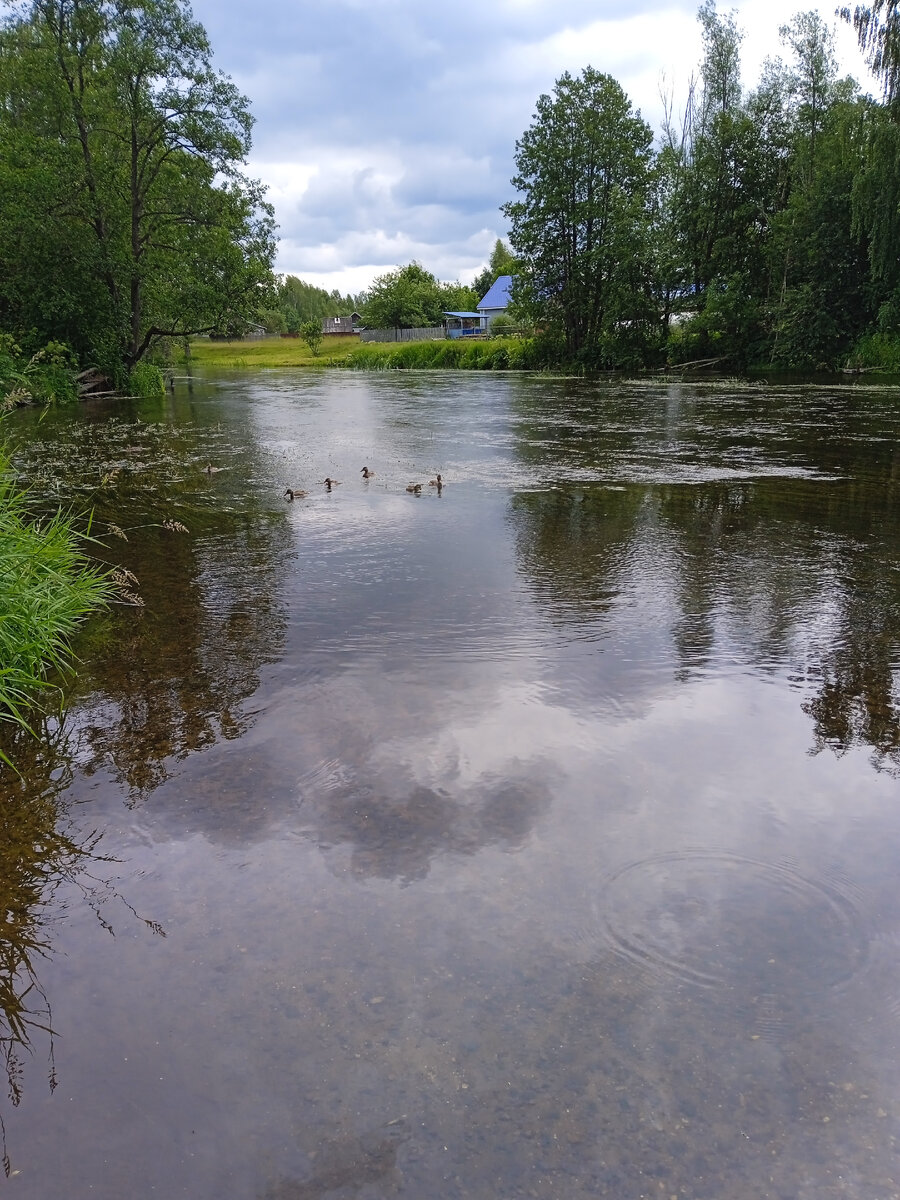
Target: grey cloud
410,113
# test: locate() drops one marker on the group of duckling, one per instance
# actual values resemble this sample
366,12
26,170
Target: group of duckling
329,483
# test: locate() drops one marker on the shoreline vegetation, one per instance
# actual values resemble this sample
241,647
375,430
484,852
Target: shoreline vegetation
876,355
48,586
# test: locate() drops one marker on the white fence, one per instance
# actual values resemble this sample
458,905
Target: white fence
432,334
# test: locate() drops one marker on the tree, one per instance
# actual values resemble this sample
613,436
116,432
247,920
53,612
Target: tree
408,298
502,262
813,78
300,301
311,332
878,32
131,145
579,229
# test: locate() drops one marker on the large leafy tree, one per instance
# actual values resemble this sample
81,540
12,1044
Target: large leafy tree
125,216
579,228
411,297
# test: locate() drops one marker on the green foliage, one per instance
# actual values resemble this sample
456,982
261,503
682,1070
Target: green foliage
311,332
124,215
580,228
502,326
274,320
47,588
299,301
146,379
877,28
411,298
47,377
406,298
459,354
876,351
502,262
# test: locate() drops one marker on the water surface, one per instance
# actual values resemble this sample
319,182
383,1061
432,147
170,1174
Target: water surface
537,836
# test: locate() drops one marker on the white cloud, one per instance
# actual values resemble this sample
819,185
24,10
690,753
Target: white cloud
387,130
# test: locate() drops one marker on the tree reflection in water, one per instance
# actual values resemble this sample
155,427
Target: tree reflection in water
46,860
739,570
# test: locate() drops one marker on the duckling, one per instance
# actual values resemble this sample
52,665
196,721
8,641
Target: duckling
330,483
367,474
294,493
438,483
414,487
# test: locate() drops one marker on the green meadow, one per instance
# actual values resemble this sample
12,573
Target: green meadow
469,354
274,352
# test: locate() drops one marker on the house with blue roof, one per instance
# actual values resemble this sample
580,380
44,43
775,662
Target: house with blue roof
495,301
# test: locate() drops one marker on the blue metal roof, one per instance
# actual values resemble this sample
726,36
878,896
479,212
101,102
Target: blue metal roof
497,295
461,314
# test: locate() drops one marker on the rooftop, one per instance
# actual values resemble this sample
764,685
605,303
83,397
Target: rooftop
497,295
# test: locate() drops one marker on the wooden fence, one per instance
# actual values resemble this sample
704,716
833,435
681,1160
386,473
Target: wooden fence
432,334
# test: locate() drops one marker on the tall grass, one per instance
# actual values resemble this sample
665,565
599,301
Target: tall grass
47,588
461,354
878,351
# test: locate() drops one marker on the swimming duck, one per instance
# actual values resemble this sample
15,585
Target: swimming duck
438,483
367,474
414,487
330,483
211,470
294,493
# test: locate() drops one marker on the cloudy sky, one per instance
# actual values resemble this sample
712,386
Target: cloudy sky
386,128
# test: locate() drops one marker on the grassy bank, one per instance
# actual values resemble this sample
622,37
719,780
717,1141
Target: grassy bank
272,352
490,354
47,587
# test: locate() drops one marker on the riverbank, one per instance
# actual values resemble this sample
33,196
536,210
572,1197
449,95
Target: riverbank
337,351
478,354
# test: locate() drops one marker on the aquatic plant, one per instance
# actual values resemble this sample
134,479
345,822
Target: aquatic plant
47,588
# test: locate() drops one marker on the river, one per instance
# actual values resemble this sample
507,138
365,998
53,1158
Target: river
537,835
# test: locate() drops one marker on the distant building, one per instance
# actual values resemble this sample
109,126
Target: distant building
341,324
462,324
496,301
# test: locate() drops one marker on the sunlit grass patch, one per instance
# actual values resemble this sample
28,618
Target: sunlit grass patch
272,352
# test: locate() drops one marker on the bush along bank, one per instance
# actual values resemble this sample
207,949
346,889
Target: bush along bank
47,588
51,376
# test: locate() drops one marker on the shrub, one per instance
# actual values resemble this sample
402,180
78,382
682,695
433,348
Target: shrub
146,379
48,377
502,326
311,332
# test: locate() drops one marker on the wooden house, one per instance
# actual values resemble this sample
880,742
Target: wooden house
341,324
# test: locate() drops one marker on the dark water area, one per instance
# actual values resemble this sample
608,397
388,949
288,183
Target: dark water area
537,836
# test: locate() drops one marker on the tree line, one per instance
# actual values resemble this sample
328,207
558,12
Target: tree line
126,217
761,228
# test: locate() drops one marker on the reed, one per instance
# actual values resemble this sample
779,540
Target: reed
462,354
47,588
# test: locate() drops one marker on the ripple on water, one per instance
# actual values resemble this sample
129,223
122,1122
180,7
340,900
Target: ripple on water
722,921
